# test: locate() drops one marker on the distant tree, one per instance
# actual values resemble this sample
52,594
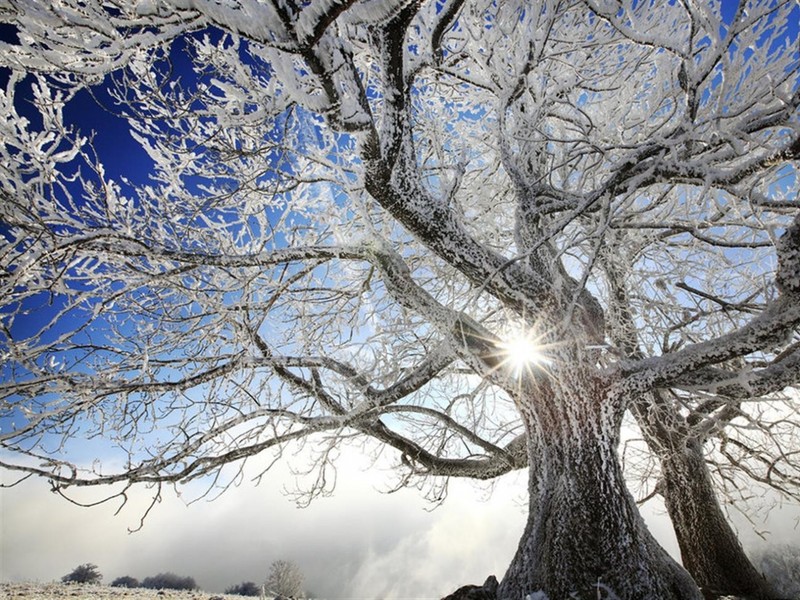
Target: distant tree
125,581
285,579
247,588
87,573
169,581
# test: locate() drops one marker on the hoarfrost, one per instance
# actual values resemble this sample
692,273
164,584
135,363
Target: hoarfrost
350,203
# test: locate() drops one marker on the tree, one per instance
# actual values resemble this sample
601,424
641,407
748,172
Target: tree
247,588
709,547
476,232
87,573
125,581
285,579
169,581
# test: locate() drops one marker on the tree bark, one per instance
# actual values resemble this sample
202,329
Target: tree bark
584,534
710,550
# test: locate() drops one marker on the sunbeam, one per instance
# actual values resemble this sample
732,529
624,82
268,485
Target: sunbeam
522,352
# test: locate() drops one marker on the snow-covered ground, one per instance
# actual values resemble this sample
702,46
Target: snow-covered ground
73,591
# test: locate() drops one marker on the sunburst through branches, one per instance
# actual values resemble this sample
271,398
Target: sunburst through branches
522,352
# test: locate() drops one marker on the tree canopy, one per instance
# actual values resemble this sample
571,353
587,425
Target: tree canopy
87,573
476,232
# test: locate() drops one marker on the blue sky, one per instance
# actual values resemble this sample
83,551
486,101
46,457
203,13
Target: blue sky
359,543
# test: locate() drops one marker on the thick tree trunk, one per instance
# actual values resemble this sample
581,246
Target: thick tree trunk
584,531
710,550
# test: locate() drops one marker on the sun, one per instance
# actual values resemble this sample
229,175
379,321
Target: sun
522,353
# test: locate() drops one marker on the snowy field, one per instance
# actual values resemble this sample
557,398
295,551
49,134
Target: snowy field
73,591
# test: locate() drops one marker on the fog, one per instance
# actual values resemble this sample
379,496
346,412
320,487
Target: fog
359,543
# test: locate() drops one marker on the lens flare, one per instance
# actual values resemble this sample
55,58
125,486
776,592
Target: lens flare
522,353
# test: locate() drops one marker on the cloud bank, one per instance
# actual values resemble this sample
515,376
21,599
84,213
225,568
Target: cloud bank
359,543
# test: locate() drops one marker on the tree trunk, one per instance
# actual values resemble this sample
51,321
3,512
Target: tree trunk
710,550
584,533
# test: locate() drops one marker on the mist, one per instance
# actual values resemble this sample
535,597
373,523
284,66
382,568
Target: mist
358,543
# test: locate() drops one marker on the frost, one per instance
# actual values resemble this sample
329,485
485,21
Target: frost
145,8
339,222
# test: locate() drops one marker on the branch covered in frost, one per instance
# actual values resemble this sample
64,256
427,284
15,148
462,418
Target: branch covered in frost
349,204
